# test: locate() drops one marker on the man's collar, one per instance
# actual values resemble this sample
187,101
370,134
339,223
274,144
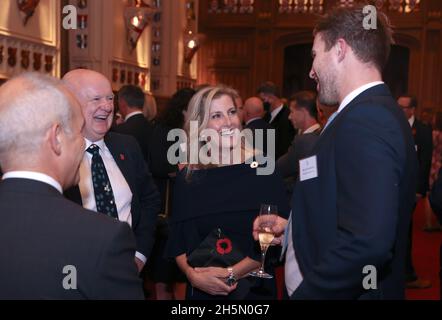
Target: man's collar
252,119
411,120
349,97
33,175
275,112
313,128
99,143
131,114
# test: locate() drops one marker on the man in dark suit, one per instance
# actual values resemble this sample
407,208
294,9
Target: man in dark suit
351,206
131,102
304,118
51,248
114,161
253,111
277,117
423,141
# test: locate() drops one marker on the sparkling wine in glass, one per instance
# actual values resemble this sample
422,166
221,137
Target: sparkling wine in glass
268,215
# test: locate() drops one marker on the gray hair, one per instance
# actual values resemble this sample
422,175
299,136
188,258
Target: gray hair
29,105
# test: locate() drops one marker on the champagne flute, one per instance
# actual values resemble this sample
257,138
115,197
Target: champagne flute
268,214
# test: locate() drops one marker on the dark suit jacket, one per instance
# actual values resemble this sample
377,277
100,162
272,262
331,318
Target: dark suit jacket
302,145
42,232
259,124
284,132
423,140
145,199
357,211
138,127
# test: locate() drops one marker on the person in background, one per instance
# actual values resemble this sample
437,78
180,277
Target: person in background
304,118
170,282
150,109
435,199
436,163
277,117
423,144
130,103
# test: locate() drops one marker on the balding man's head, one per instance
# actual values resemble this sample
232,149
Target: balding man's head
40,127
94,92
253,108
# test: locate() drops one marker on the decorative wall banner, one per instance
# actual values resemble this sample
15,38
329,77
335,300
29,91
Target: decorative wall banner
25,60
37,61
27,8
124,73
12,56
49,63
82,4
136,20
82,41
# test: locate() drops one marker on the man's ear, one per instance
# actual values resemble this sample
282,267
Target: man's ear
341,48
55,138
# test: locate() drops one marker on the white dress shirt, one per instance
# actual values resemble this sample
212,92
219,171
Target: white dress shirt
411,121
311,129
349,97
32,175
120,188
275,112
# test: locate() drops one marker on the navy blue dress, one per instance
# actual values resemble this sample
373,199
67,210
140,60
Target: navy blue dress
228,198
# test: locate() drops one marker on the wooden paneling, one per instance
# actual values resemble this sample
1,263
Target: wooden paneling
227,59
242,50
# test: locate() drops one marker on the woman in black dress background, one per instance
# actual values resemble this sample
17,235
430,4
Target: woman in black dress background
169,281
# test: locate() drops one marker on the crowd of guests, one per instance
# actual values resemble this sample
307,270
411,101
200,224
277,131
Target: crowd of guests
350,168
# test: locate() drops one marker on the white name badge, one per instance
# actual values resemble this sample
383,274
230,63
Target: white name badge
308,168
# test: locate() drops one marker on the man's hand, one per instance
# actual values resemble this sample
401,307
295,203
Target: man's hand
139,263
277,229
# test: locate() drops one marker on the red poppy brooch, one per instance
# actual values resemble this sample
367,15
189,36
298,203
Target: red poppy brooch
224,246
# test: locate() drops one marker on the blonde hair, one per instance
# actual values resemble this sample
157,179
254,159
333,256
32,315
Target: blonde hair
150,109
199,110
25,117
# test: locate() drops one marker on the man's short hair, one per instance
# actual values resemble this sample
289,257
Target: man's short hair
413,100
370,46
306,100
25,117
269,87
133,95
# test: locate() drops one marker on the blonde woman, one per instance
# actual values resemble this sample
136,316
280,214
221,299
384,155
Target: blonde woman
220,190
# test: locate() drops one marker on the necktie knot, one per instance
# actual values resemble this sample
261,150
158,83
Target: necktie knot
93,150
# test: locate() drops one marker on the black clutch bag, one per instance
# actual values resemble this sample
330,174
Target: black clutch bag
216,250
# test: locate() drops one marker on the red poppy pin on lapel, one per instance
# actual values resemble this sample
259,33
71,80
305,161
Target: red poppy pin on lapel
224,246
122,156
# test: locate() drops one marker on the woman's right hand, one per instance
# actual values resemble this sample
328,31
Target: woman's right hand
210,280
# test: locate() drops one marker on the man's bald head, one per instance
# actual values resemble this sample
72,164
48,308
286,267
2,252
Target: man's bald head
94,92
40,128
253,108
